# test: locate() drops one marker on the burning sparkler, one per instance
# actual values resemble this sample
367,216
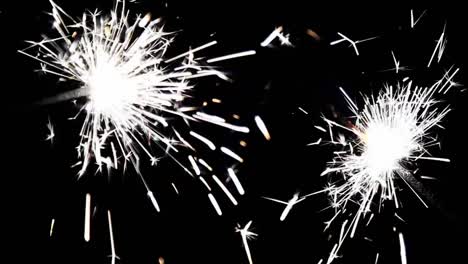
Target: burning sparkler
132,90
246,234
390,133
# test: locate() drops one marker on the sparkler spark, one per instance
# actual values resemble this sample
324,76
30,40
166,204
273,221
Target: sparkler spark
246,234
291,203
390,134
351,42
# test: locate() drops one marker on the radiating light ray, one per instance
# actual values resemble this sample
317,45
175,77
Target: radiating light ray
246,234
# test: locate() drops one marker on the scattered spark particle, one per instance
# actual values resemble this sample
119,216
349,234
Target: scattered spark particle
302,110
190,52
215,204
271,37
246,234
216,100
233,56
414,22
315,143
439,48
402,248
236,181
202,162
231,154
376,258
243,143
111,236
205,183
428,178
175,188
153,201
194,165
289,204
353,43
261,125
52,224
321,128
87,225
225,190
203,139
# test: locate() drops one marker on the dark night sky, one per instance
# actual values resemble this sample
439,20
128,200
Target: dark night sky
38,183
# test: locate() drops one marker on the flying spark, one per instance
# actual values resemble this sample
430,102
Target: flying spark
133,95
389,135
246,234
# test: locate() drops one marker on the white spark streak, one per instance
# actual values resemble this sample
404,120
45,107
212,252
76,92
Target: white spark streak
87,218
290,204
117,62
439,48
153,201
51,135
246,234
236,181
402,248
215,204
225,190
413,22
52,224
261,125
111,236
205,183
194,165
353,43
190,52
175,188
271,37
231,154
203,139
232,56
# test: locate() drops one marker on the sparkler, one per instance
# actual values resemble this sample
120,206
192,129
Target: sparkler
133,92
389,135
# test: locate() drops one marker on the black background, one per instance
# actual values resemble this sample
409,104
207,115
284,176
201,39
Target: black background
38,183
